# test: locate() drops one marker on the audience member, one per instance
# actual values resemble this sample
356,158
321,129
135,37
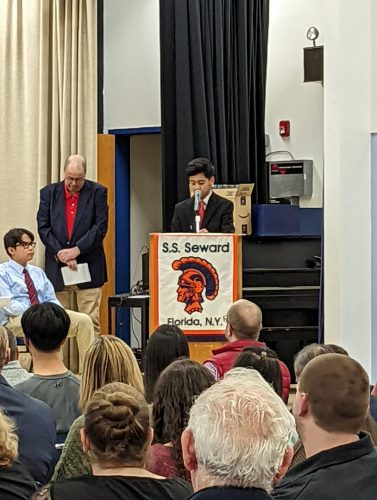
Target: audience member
45,329
15,480
330,410
167,343
306,354
244,323
238,438
373,402
34,423
177,387
336,348
108,359
264,361
27,285
117,434
13,371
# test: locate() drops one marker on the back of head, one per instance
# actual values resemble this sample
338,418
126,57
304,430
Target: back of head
175,391
46,326
337,389
306,354
176,388
335,348
245,319
14,236
241,430
200,166
166,344
3,347
265,362
107,360
117,425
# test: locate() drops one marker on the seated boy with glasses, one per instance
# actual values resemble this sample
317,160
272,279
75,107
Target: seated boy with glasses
27,285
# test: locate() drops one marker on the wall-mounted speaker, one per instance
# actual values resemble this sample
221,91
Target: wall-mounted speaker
313,64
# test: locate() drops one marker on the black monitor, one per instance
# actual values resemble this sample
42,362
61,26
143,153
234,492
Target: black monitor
145,271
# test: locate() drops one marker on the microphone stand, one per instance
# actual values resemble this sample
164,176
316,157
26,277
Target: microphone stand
197,195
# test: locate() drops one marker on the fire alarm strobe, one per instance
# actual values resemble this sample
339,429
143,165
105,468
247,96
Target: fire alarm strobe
284,128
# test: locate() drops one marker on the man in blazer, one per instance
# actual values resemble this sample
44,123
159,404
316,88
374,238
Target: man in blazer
216,212
72,223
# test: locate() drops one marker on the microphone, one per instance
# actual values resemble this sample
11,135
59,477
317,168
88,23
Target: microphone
197,196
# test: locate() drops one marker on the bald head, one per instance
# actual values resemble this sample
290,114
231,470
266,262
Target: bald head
245,319
75,162
74,173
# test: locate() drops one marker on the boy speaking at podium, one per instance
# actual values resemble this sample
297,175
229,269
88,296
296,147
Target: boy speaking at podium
204,211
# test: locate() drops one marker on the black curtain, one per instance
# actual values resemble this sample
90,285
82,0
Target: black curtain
213,79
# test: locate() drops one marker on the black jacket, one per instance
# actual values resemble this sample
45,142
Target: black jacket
89,230
35,428
230,493
347,472
218,216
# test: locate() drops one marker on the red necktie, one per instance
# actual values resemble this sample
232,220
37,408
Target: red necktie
31,291
202,209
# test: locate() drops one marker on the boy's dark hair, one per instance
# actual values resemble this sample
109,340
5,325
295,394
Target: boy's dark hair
14,236
264,361
200,166
46,326
167,343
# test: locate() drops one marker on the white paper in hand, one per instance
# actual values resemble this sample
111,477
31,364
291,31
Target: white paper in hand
82,275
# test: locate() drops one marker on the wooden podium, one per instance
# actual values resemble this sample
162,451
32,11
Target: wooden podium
193,280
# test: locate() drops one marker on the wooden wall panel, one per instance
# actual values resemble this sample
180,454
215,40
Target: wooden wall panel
106,176
200,351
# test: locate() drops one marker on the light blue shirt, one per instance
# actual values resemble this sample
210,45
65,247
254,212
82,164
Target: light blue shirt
12,284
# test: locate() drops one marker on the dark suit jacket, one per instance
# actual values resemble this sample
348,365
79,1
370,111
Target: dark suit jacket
89,230
35,430
218,216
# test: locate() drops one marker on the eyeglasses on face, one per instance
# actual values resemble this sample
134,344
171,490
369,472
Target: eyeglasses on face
26,244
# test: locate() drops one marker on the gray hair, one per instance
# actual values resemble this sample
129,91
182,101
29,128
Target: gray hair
76,157
306,354
241,429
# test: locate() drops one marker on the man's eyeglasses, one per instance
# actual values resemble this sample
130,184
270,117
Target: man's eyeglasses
26,244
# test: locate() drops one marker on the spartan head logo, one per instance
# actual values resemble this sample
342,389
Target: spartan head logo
197,275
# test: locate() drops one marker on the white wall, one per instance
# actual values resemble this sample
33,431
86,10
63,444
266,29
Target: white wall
131,64
287,97
350,90
146,204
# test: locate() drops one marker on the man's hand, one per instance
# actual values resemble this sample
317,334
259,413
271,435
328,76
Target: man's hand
204,230
72,264
68,254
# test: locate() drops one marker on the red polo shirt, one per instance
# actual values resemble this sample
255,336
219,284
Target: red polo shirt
71,203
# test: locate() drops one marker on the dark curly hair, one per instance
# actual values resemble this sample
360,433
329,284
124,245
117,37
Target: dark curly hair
174,394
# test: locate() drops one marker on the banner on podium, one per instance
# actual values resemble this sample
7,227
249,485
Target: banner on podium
194,280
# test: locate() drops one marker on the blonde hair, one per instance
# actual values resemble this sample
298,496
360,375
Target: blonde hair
8,441
107,360
117,425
